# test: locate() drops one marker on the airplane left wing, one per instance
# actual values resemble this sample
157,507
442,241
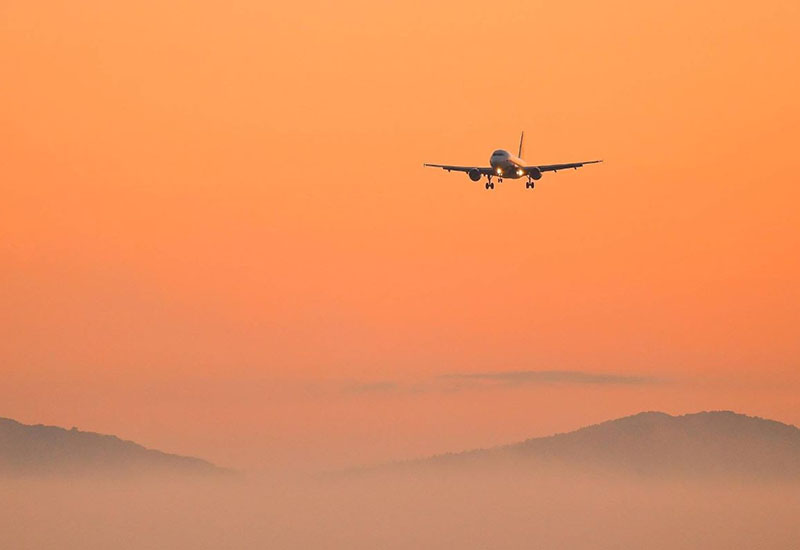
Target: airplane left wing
557,167
483,170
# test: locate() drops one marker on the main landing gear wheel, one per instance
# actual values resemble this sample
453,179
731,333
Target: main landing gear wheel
489,185
529,184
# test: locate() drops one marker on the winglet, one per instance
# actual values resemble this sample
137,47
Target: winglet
521,137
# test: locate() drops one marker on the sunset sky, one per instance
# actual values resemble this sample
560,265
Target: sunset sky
217,237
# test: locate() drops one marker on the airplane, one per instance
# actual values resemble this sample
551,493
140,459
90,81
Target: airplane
505,165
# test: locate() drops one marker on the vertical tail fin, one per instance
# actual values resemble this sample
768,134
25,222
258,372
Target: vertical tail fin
521,137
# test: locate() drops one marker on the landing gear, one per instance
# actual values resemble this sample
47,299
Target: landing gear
529,184
489,183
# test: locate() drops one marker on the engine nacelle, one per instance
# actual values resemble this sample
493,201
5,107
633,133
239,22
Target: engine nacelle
475,174
535,173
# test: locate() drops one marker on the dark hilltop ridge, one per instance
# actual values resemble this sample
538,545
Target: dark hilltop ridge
705,444
50,450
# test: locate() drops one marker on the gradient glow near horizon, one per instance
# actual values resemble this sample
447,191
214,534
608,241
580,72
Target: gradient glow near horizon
217,238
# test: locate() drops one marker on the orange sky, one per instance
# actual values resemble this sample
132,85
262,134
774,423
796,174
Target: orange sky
216,236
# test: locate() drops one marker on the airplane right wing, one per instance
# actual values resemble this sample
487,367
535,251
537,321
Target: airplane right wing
483,170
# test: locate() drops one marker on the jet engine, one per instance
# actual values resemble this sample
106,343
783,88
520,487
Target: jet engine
475,174
535,173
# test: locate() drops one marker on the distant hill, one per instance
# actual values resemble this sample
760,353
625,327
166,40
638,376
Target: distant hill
50,450
717,443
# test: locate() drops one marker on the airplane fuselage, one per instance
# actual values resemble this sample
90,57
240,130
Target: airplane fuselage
506,165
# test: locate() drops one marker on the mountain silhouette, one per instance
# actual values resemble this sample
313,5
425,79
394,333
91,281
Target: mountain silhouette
715,443
50,450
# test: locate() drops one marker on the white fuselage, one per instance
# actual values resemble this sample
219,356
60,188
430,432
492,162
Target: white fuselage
506,165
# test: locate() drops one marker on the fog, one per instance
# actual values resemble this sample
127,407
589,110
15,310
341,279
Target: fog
434,509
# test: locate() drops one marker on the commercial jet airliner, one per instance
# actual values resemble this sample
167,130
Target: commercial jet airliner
505,165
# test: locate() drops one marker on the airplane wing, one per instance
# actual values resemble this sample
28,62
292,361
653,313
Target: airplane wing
557,167
484,170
